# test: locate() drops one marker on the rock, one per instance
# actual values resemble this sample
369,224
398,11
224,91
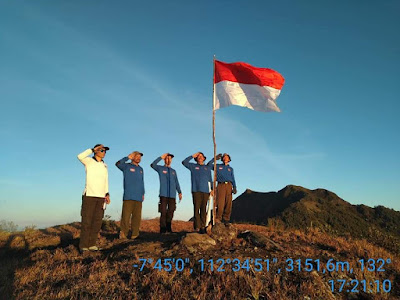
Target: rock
259,240
223,233
196,241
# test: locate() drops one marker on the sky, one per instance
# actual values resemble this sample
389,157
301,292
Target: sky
137,75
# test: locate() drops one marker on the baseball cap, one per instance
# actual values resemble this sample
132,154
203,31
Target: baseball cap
137,152
106,148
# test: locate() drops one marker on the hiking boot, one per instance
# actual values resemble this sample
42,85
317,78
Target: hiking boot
163,229
122,235
82,250
134,237
169,227
94,248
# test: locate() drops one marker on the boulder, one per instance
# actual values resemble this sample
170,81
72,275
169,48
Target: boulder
223,233
196,241
259,240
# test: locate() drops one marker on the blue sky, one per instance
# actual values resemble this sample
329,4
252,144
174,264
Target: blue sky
138,76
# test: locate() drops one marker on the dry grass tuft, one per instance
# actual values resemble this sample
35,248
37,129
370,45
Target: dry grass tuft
45,264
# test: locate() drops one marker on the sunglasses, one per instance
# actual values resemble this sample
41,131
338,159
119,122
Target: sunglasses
103,150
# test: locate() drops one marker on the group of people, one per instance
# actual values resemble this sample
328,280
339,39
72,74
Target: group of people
96,195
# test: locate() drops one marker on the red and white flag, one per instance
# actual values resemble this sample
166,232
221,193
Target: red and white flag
244,85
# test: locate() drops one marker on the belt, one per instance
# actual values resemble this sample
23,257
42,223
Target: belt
223,182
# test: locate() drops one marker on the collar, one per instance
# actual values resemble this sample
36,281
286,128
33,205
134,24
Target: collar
96,159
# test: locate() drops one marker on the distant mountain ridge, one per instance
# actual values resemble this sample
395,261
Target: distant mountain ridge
299,207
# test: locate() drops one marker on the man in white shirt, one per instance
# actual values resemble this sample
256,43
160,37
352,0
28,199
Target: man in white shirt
94,197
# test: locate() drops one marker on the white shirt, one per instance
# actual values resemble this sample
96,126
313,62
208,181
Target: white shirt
96,175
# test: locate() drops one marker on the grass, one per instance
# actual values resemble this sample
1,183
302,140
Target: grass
45,264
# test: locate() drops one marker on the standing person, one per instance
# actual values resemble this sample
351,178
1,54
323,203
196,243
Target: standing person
94,197
201,183
226,186
133,194
169,185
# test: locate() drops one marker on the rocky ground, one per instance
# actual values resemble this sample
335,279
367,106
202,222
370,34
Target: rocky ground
239,261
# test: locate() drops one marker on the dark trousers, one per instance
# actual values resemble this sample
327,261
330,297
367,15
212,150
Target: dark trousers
167,208
92,213
131,213
200,200
224,201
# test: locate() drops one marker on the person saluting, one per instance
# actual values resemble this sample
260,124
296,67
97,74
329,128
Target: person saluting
201,188
226,186
133,194
169,186
94,197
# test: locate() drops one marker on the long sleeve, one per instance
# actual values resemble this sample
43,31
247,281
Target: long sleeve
107,192
211,163
83,157
178,187
234,181
121,163
186,162
154,164
143,182
96,175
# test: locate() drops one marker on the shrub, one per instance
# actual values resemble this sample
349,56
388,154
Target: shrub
8,226
108,224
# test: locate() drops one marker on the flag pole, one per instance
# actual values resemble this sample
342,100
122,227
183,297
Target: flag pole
215,145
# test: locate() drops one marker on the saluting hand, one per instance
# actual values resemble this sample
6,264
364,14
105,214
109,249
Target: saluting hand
130,156
196,154
164,155
98,148
218,156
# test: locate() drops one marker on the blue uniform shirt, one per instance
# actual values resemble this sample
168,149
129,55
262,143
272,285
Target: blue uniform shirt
169,183
224,173
133,180
201,176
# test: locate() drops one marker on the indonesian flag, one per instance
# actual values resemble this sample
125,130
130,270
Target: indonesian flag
244,85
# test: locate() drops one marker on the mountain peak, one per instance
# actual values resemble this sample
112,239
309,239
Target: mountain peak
299,207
